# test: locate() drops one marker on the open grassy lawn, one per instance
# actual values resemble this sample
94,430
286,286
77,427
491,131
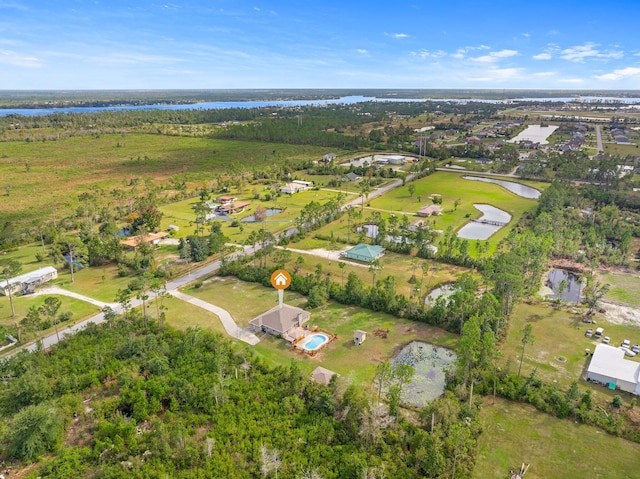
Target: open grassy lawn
182,315
625,288
514,433
452,187
99,282
26,255
355,364
558,351
60,170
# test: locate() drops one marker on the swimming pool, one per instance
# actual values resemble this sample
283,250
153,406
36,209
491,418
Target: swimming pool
314,341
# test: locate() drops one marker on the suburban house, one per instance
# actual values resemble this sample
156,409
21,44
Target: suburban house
233,208
429,210
394,159
364,252
28,281
328,158
359,336
296,186
473,140
417,224
282,321
322,375
609,366
226,200
351,176
151,238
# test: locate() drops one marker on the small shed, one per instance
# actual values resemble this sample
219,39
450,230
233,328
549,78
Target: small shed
322,375
359,336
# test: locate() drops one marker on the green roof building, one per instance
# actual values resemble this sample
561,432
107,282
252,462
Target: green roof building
364,252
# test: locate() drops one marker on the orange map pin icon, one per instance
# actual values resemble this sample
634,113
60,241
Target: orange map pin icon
280,279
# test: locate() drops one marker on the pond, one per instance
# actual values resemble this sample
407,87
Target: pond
268,212
430,363
445,290
573,287
492,220
516,188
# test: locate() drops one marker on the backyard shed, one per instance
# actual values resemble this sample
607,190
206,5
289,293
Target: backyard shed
364,252
359,336
322,375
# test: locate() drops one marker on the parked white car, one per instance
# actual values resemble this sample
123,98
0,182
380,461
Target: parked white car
606,340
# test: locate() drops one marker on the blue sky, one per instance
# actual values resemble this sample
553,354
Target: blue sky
100,44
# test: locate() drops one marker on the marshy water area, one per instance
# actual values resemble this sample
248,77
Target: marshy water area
492,220
445,290
430,364
268,212
564,285
515,188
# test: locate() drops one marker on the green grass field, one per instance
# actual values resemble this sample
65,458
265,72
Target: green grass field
55,172
625,288
514,433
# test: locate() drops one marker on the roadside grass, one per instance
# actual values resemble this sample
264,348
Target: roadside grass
98,282
625,288
515,433
355,364
182,315
60,170
558,350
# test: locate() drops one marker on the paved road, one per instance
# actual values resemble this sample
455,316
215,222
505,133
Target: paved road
599,138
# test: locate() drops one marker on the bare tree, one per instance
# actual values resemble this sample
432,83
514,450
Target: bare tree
270,461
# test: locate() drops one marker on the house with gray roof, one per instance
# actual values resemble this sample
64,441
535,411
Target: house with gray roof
281,321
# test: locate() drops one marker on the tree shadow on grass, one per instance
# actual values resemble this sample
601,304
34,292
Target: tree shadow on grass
534,318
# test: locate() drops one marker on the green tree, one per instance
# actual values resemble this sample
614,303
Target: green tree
50,309
34,431
10,269
527,338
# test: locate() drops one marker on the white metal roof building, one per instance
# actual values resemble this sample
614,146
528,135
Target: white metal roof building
609,366
28,280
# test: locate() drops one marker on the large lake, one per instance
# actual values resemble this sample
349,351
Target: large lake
345,100
516,188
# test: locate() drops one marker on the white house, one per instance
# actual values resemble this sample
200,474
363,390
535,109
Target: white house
28,280
291,188
609,366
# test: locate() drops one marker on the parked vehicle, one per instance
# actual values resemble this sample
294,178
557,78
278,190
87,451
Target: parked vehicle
635,348
626,344
627,351
589,333
587,319
598,333
606,340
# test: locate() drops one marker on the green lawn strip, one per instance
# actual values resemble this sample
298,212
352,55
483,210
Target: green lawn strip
625,288
514,433
182,315
98,282
558,350
26,255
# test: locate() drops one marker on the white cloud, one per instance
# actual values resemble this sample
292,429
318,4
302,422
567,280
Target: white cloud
362,51
620,74
589,50
462,52
397,35
493,57
544,74
424,53
9,57
542,56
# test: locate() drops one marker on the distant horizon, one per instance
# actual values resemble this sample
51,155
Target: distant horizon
120,45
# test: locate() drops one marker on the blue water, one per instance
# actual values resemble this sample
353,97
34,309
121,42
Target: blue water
345,100
315,342
268,212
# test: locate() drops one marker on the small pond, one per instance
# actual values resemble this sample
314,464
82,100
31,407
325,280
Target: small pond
492,220
430,363
269,212
516,188
573,285
445,290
